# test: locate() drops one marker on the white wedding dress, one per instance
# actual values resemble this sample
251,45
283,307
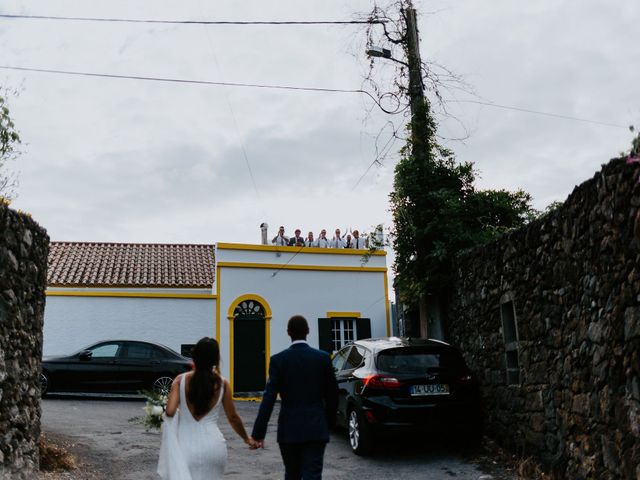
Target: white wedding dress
192,449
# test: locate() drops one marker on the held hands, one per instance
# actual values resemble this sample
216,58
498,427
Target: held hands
254,444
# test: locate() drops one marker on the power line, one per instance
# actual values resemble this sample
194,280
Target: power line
181,80
235,123
294,88
302,247
536,112
196,22
197,82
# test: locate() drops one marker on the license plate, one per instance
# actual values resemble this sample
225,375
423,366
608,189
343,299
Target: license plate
431,389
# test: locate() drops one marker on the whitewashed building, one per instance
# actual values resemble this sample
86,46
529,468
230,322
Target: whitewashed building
241,294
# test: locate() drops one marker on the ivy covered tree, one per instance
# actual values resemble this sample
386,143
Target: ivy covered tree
9,142
437,211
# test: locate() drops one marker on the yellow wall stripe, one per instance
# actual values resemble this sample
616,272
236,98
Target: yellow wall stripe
70,293
218,307
343,314
277,266
273,248
386,305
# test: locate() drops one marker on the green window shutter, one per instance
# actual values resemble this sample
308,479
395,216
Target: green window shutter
363,328
325,340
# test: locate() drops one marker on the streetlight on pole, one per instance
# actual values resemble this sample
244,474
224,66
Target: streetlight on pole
421,126
374,51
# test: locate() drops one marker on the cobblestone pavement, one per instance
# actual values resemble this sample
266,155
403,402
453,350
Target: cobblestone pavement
108,446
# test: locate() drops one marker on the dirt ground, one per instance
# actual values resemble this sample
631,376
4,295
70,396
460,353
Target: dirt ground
107,445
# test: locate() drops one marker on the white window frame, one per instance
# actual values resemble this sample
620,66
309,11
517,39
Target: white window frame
343,331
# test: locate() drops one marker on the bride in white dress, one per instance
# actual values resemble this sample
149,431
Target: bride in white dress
193,448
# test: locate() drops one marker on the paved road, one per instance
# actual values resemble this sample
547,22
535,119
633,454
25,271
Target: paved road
98,431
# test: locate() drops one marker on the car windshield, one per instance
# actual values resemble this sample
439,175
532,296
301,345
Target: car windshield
411,360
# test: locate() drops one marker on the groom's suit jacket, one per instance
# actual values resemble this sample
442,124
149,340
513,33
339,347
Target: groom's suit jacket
305,380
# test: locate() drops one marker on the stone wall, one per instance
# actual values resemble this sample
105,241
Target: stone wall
573,278
23,266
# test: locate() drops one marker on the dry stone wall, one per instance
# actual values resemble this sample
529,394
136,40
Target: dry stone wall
573,280
24,248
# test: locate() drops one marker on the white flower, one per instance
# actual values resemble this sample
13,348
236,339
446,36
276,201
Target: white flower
157,410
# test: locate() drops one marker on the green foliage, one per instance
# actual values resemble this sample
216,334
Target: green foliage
437,213
552,207
634,153
9,142
154,410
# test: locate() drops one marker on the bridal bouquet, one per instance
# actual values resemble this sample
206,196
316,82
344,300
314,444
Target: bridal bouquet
154,409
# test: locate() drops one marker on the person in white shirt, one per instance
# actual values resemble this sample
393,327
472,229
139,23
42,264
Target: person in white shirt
338,241
310,242
323,241
281,240
357,241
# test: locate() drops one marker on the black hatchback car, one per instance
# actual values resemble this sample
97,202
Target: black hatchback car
113,366
405,384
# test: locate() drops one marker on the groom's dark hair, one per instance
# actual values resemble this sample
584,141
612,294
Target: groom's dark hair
298,328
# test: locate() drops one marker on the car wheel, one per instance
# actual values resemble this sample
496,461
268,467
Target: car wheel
44,384
162,385
359,434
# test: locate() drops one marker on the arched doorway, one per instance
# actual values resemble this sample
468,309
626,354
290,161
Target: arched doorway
249,340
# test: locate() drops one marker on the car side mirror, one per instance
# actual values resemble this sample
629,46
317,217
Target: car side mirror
85,355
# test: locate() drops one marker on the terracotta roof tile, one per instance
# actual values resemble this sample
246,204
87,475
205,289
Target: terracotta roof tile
130,265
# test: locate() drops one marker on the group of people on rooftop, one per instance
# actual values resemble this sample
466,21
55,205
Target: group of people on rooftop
350,241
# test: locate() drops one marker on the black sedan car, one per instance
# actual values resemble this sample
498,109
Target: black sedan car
405,384
113,366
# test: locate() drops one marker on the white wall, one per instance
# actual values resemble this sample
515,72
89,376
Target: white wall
71,323
311,293
291,256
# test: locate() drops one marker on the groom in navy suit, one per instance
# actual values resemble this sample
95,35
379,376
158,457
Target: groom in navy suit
305,380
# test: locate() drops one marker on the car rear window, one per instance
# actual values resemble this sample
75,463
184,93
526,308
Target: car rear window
412,360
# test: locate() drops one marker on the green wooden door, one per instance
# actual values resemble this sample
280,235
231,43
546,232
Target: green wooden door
249,363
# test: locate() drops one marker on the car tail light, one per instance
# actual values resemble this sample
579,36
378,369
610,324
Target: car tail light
381,381
370,416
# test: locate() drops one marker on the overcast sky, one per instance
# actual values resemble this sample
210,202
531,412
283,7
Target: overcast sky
130,161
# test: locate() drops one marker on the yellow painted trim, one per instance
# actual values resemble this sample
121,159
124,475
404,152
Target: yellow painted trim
231,372
386,304
267,331
218,320
273,248
276,266
267,349
249,296
247,399
343,314
69,293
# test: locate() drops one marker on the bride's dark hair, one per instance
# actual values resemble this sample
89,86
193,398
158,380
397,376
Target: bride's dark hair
205,383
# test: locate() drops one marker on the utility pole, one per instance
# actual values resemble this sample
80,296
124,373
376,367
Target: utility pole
423,150
422,131
421,127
